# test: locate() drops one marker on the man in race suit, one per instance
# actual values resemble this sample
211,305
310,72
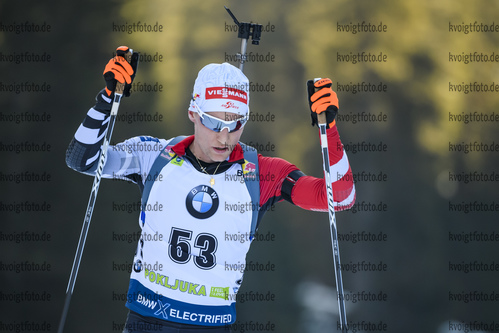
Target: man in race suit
198,189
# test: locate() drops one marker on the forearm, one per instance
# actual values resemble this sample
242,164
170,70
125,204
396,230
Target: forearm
83,151
310,192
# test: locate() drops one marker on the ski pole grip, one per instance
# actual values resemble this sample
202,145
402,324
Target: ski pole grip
120,87
321,117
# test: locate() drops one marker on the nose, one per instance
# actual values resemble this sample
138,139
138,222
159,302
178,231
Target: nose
223,136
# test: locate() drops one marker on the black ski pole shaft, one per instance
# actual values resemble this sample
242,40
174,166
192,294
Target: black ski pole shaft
321,118
244,43
118,93
245,31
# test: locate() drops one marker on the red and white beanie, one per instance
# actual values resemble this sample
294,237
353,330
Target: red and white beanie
221,87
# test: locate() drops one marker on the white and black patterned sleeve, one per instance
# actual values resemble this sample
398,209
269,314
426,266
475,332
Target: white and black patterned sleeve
129,160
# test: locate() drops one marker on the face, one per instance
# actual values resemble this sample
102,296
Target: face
210,146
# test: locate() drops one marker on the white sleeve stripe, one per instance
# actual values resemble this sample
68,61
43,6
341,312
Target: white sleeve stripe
107,99
102,136
94,114
90,160
347,201
338,170
86,135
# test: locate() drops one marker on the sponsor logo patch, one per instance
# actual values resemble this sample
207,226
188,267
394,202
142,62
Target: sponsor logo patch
226,93
202,202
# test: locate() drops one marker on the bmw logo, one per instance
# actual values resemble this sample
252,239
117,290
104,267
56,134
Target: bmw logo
137,267
202,202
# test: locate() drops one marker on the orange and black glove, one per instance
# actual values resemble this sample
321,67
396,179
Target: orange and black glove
119,70
322,98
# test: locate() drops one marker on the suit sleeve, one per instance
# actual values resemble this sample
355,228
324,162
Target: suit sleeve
129,160
308,192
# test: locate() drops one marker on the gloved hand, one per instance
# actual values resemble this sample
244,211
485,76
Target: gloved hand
322,98
119,70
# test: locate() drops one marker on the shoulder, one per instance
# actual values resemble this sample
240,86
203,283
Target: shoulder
142,144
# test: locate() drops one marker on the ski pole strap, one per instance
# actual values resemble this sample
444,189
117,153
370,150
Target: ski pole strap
321,117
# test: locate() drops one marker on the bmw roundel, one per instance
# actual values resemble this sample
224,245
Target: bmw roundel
137,266
202,202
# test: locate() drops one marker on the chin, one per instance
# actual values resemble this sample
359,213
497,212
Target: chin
219,158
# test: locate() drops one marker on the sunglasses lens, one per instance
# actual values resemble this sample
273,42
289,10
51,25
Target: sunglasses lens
218,125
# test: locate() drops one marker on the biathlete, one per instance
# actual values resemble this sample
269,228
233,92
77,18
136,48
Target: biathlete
179,282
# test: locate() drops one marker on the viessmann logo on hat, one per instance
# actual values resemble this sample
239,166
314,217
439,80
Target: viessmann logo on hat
226,93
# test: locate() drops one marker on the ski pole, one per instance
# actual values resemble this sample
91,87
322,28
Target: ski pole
245,31
118,93
321,119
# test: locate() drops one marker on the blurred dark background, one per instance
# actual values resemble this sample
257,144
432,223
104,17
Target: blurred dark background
424,283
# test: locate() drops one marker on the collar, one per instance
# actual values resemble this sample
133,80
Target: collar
236,156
